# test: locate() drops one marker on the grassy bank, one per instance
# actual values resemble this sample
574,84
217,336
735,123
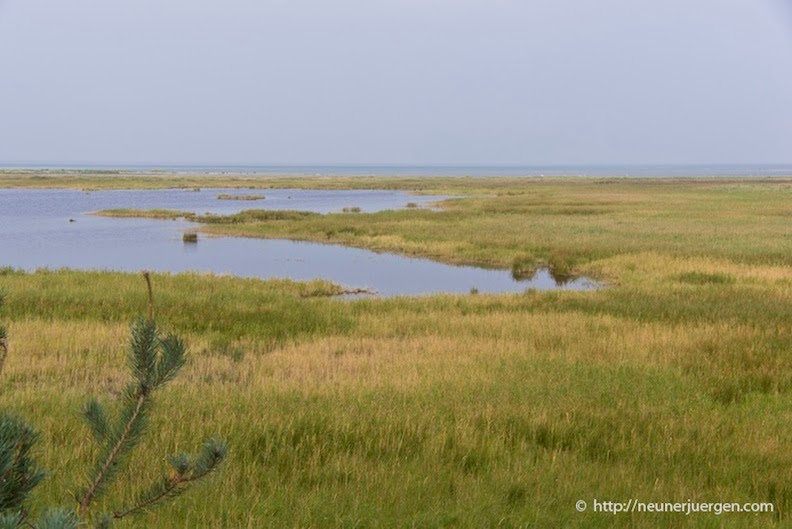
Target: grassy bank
674,383
584,223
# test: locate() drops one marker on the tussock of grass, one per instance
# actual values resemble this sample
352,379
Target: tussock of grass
524,267
560,263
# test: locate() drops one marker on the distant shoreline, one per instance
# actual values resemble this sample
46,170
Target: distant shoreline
633,171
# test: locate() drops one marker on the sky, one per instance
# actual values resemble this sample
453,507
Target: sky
405,82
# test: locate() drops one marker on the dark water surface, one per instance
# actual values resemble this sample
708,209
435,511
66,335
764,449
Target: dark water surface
52,229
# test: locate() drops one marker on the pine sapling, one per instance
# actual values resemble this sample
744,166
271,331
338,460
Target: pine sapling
154,360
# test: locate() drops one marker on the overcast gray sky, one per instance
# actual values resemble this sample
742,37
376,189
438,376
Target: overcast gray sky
395,81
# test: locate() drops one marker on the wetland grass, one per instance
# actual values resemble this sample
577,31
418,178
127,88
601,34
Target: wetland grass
564,395
466,411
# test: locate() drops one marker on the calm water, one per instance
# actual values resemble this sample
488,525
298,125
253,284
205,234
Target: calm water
52,229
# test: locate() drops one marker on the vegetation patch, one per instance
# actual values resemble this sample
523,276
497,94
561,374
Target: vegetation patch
524,267
164,214
255,216
240,197
560,263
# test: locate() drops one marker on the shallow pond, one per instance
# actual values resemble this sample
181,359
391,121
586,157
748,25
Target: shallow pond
53,229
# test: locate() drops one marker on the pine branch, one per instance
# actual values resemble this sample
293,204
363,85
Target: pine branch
10,521
167,489
143,353
154,361
58,519
117,449
96,417
171,360
19,475
183,474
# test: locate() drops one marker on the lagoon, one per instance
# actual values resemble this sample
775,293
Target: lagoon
54,228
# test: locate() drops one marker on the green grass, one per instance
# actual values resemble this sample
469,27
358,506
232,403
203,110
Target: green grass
467,411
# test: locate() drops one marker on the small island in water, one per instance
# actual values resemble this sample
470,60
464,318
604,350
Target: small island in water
241,197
